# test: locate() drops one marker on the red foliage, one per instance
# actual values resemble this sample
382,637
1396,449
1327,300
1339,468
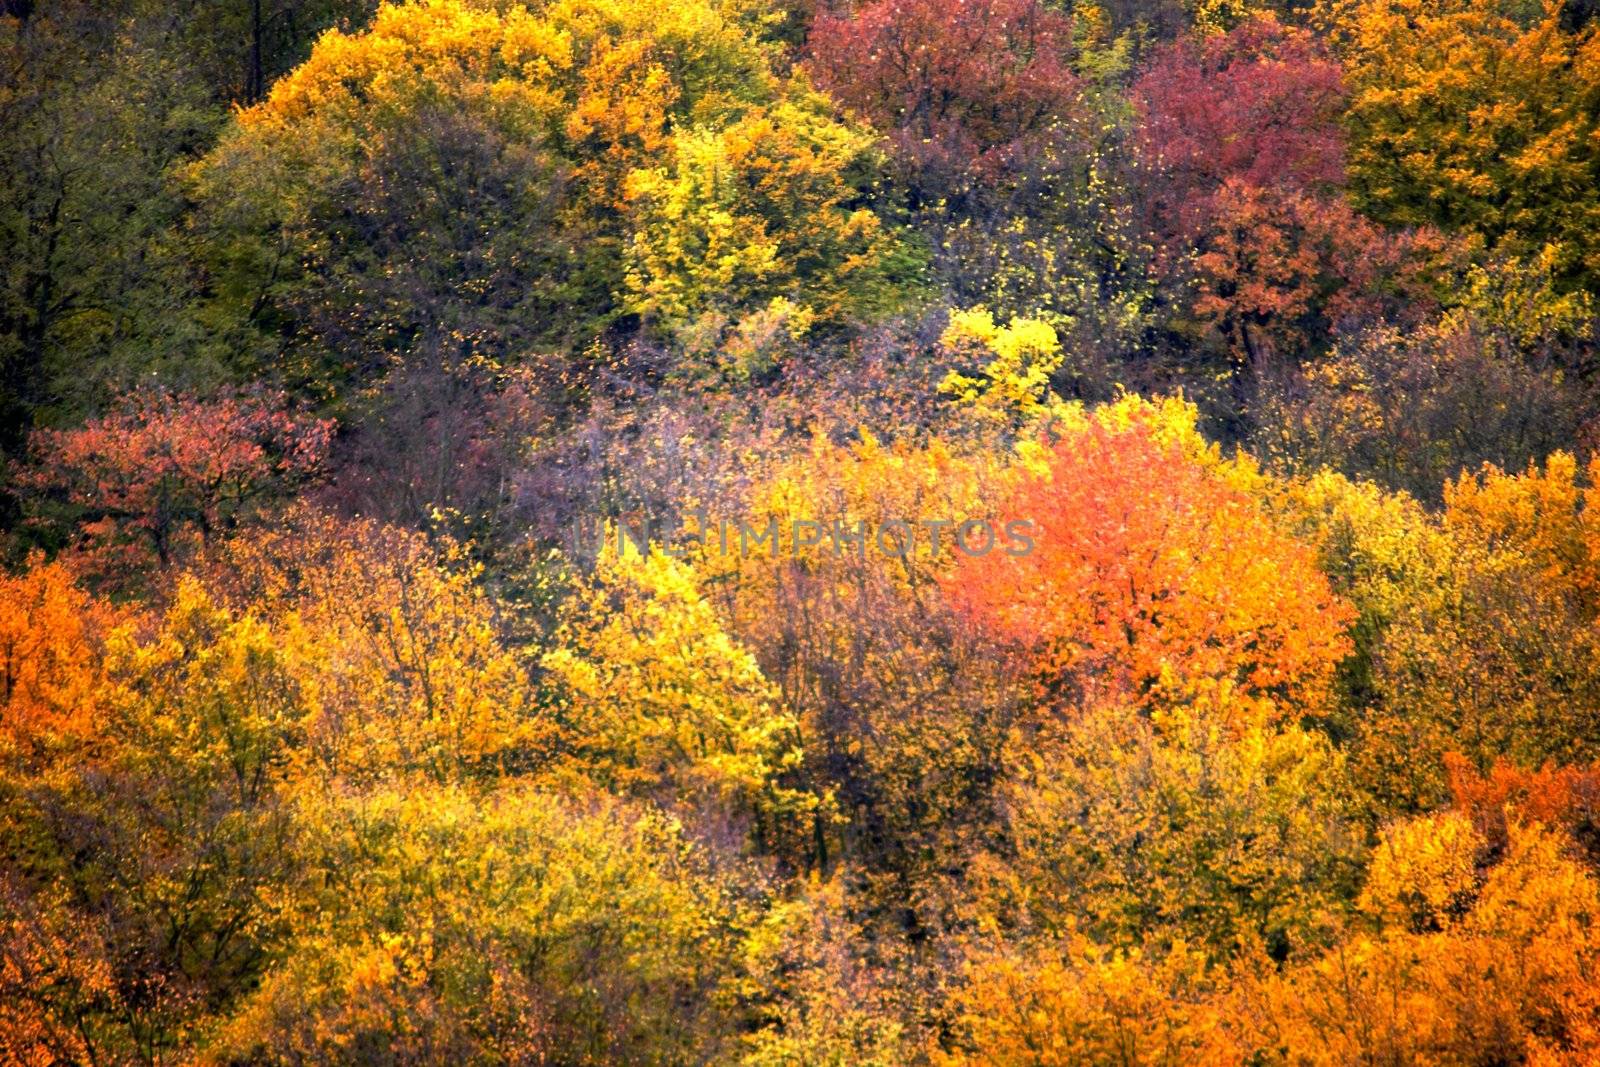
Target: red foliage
1565,798
1153,576
958,84
1244,165
1275,267
162,463
1260,105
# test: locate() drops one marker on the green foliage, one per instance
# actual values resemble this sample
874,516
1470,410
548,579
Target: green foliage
95,285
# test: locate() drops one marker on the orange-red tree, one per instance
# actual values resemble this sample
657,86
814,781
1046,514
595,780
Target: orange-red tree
164,463
1155,574
51,634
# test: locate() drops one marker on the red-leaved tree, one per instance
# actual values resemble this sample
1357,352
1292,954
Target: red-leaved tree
163,463
1242,158
962,87
1260,105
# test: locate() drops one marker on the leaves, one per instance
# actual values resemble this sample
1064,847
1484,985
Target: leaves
162,466
712,532
1463,117
1154,578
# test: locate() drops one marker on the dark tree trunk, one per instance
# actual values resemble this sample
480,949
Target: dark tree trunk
257,84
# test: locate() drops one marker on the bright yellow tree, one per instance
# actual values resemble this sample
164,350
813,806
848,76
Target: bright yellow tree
394,649
655,697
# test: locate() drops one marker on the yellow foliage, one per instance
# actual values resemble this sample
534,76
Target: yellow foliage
1489,652
686,176
1463,117
1170,421
656,698
1522,298
1380,549
854,492
1422,870
393,648
456,926
210,688
730,217
821,1004
851,580
1476,626
1208,825
1021,357
1540,517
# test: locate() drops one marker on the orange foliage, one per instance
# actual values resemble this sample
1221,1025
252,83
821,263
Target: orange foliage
1154,576
1275,267
50,658
1562,797
1510,979
53,972
1073,1003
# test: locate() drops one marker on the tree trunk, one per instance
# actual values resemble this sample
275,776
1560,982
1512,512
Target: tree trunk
257,85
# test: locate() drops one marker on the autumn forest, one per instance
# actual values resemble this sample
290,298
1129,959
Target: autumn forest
800,532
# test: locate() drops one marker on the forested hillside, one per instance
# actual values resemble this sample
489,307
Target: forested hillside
800,532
